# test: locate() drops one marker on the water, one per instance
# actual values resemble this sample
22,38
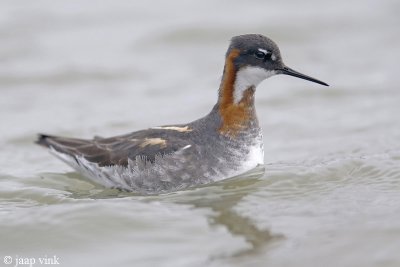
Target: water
331,192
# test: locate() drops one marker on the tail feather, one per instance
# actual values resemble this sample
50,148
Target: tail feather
43,140
69,146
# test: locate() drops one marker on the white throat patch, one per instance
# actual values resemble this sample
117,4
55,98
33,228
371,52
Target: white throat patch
247,77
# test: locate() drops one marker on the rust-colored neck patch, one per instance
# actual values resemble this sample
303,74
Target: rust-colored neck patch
235,116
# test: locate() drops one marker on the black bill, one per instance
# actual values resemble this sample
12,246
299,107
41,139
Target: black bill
291,72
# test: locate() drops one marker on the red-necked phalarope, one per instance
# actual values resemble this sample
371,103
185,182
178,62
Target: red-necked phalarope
226,142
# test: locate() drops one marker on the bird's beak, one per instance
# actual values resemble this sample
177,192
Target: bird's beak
291,72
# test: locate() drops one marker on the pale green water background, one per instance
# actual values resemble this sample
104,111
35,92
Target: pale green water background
331,192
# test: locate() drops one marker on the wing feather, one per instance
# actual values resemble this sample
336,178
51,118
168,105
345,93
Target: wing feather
118,150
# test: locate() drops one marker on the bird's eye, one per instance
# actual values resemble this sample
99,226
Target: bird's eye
260,55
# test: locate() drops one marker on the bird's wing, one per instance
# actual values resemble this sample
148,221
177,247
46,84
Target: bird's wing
117,150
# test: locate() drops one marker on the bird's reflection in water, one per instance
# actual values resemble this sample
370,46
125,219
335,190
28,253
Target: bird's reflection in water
222,198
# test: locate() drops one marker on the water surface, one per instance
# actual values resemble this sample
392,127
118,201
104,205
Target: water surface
330,195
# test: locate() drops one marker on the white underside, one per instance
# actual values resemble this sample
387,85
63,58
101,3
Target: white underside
254,158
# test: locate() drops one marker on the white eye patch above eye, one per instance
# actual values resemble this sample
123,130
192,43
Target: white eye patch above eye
269,55
263,50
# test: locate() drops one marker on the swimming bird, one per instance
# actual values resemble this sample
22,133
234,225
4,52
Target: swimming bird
226,142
